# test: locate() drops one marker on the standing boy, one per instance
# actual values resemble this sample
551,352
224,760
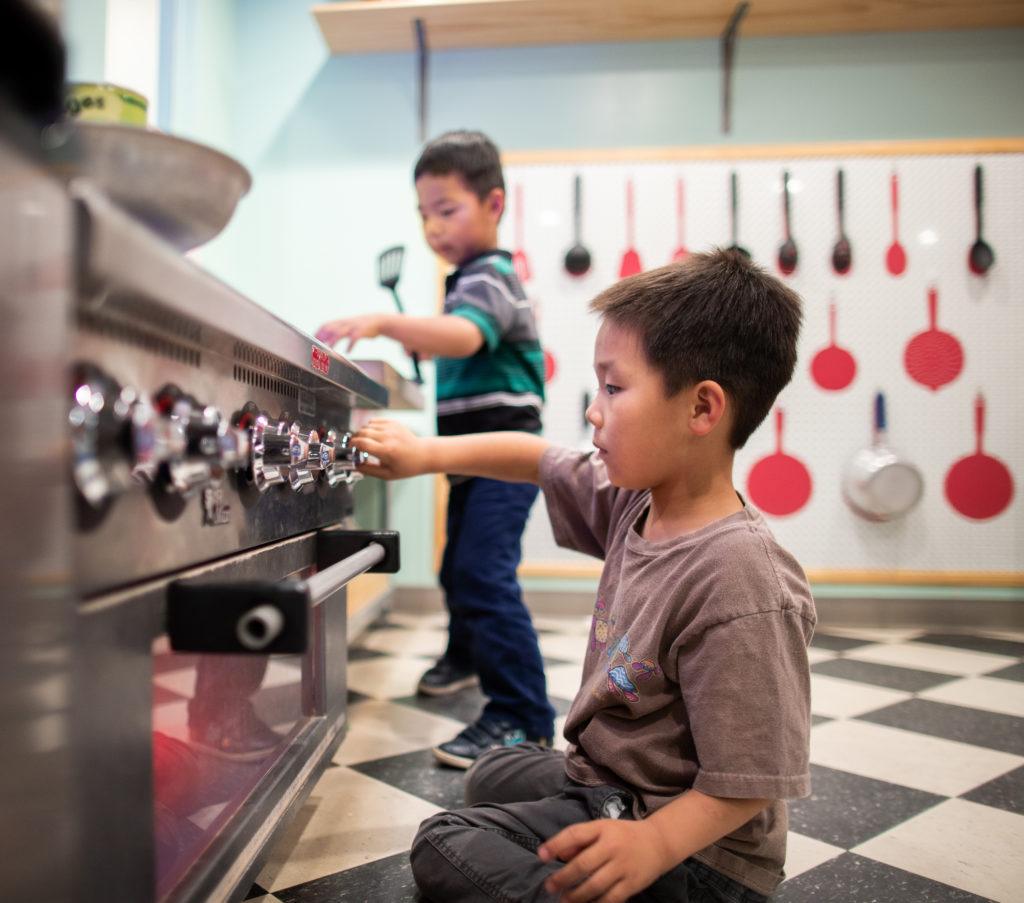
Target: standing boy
490,377
691,725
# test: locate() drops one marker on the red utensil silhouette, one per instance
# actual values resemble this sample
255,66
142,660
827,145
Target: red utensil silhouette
519,262
896,257
979,486
630,259
933,357
779,484
833,368
550,366
680,253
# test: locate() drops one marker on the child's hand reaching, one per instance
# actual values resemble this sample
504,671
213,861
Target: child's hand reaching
606,860
399,451
364,326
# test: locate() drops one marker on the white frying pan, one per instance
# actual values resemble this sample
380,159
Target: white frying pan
878,483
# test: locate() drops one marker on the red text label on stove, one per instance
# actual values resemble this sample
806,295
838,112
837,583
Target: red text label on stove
321,361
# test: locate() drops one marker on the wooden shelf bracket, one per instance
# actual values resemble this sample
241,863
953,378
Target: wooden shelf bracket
728,56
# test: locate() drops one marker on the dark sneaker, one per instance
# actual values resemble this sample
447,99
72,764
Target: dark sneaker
480,736
444,678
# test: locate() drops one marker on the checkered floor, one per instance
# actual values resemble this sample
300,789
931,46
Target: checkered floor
917,756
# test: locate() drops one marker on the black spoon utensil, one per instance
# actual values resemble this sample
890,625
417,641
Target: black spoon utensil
842,253
734,208
981,256
389,268
577,258
788,255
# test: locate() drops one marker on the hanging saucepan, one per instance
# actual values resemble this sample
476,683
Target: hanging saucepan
878,483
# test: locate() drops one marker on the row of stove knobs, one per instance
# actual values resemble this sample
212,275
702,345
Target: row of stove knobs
122,438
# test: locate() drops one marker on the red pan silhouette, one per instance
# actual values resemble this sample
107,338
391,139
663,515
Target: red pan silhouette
933,357
833,368
630,259
979,486
779,484
519,262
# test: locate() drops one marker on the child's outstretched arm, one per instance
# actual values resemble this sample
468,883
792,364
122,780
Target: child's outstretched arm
610,860
510,456
441,336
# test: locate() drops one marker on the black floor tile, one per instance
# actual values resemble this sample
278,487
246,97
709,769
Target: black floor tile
355,696
974,643
548,662
420,774
847,809
954,722
465,706
255,891
854,879
1014,672
820,719
910,679
389,879
1004,792
837,643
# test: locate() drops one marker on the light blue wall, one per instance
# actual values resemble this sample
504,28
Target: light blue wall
331,140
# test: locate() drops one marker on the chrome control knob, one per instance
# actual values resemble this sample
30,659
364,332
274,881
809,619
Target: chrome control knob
191,438
100,437
269,453
299,471
346,459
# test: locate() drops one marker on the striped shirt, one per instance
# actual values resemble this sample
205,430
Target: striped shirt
501,386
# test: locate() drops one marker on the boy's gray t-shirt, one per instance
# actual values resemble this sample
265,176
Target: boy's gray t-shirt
696,672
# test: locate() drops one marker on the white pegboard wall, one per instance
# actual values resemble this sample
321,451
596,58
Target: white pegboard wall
877,316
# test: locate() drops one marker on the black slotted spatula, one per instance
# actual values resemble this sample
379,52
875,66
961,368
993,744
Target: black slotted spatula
389,268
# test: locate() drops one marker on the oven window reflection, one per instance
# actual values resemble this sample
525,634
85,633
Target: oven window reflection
220,723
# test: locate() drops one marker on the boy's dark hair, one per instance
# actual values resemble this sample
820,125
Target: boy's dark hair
471,155
714,316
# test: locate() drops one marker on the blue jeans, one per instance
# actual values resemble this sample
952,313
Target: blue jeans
489,627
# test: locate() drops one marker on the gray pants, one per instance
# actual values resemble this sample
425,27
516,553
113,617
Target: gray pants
519,796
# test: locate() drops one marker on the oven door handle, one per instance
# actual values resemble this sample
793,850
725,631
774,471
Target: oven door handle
263,617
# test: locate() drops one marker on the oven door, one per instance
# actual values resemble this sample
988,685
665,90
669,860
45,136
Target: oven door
194,759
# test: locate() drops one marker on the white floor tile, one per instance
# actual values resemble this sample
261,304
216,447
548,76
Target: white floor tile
566,647
378,729
929,657
563,680
804,853
574,624
989,693
903,757
838,698
349,819
434,620
816,654
279,673
403,641
875,634
386,678
973,847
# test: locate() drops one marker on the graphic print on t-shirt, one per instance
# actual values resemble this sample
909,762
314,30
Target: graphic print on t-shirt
624,670
599,626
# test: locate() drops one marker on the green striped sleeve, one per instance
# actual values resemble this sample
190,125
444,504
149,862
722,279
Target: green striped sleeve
484,321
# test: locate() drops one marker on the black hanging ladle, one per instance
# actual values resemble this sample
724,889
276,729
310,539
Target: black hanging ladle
788,255
577,258
842,253
734,206
981,256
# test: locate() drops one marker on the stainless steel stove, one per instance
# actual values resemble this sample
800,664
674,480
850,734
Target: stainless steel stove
178,534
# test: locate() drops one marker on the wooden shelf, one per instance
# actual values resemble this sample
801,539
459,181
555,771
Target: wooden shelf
367,26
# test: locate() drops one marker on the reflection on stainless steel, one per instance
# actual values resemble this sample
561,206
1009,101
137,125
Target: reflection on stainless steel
327,582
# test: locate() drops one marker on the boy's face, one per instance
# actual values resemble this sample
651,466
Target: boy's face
640,433
456,223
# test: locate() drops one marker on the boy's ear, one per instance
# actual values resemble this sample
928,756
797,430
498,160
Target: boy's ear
494,203
708,407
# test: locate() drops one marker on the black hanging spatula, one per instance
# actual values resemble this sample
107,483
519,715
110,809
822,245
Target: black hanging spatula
389,268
